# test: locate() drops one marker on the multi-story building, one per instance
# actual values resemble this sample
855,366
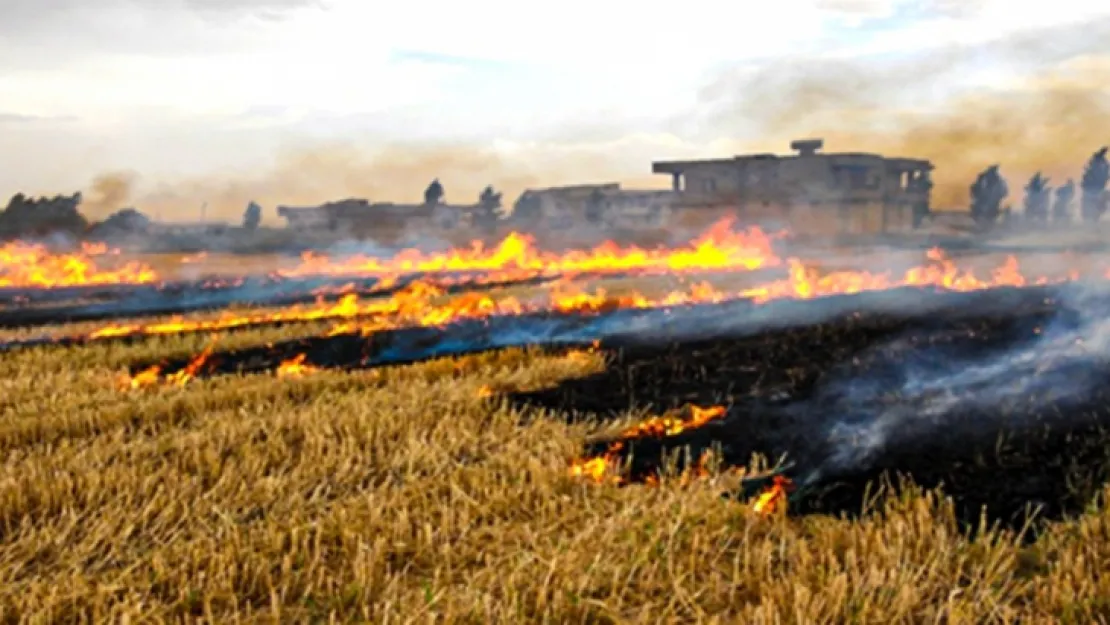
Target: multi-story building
811,192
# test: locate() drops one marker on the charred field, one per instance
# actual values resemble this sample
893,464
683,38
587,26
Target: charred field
947,453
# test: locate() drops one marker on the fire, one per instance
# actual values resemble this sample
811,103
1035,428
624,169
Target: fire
942,273
720,248
416,303
295,366
425,305
33,265
600,468
347,306
29,265
773,498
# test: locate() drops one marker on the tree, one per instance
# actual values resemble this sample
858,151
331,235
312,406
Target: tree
252,217
1061,209
1095,176
987,193
489,202
1037,197
490,199
434,193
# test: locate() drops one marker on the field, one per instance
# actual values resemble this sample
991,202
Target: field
426,477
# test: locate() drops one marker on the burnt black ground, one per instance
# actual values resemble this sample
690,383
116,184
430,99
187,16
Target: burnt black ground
784,388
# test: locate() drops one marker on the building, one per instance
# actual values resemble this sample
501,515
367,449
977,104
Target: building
810,192
360,218
604,205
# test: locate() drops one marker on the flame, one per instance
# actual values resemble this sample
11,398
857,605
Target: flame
773,498
347,306
417,305
33,265
719,248
600,468
295,366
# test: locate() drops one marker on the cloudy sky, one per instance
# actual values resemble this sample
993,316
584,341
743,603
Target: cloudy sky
170,103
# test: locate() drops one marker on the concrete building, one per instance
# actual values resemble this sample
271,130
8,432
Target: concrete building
810,192
604,205
380,220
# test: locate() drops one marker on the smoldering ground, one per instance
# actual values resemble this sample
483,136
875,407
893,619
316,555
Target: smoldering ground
1034,101
998,395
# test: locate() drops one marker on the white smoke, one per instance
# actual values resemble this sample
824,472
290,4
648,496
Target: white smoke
1062,360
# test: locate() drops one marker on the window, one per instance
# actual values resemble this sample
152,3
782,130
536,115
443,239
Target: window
857,177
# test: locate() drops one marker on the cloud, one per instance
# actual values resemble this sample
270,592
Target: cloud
20,118
1033,100
38,36
293,101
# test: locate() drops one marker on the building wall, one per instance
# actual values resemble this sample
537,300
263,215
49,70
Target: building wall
820,195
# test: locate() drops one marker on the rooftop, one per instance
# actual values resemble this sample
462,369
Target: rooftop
805,148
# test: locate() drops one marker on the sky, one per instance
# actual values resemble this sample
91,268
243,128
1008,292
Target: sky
169,105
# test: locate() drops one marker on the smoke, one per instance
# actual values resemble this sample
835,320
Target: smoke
107,193
1063,360
1036,101
395,173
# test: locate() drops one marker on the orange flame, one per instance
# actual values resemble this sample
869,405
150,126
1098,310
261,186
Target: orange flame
719,248
773,498
414,307
600,468
295,366
33,265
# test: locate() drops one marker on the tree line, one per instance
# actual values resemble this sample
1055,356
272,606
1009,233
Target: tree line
1041,203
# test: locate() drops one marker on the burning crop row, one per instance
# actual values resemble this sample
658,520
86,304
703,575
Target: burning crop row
382,298
416,310
32,266
420,301
605,466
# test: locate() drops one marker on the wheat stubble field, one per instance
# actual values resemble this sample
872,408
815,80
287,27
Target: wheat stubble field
426,493
409,495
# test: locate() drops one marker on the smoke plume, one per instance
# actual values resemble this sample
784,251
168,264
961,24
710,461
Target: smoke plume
1049,120
107,193
396,173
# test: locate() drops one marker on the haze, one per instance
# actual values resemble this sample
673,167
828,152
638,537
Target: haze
170,104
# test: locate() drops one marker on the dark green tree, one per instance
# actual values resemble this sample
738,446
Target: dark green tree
1037,199
434,193
1093,184
987,193
252,217
1061,208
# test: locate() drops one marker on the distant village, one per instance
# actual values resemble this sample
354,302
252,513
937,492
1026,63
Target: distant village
811,192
